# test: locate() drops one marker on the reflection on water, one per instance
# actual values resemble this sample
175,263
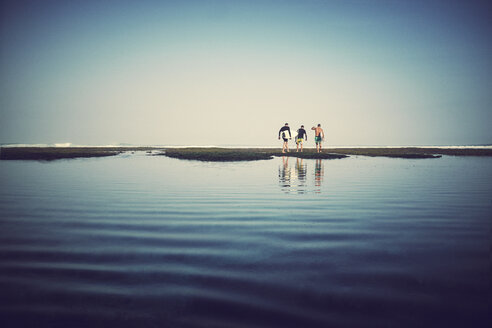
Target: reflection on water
301,171
318,174
295,180
284,174
150,241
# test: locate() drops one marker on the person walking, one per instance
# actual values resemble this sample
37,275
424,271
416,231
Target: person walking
285,134
319,135
301,135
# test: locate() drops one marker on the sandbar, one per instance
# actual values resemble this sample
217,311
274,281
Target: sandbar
217,154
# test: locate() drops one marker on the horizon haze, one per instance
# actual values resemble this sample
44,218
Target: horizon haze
232,73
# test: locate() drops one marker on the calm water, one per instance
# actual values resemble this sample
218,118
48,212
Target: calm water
139,241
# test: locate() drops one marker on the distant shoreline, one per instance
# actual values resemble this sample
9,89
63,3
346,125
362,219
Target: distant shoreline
219,154
232,146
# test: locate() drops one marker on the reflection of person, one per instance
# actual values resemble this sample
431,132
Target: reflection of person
301,135
301,172
285,133
284,173
318,173
319,135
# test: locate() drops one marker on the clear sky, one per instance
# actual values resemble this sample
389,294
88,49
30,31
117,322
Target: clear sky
383,72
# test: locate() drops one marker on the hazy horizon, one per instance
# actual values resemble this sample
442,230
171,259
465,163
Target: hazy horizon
232,73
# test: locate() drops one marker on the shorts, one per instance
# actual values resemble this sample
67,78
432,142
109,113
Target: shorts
285,139
317,139
299,140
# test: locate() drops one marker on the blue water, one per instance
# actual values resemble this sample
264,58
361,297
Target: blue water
149,241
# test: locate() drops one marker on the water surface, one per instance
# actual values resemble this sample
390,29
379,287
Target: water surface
140,241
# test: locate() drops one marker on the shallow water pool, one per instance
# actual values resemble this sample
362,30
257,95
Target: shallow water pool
149,241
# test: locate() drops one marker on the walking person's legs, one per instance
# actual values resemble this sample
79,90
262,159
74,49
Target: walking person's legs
285,146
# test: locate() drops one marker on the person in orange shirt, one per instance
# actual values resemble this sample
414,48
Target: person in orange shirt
319,135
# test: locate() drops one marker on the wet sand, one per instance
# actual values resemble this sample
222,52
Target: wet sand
53,153
231,154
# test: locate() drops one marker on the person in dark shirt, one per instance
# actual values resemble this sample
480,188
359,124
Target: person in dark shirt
285,134
301,135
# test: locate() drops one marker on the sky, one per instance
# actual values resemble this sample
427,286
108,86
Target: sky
382,72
